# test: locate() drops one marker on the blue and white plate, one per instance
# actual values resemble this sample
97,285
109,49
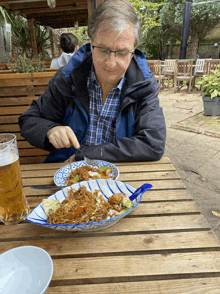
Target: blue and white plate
61,175
107,187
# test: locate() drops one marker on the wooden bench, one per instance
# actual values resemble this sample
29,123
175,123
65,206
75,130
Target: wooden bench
17,91
3,66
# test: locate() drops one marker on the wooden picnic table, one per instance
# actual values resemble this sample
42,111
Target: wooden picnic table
164,246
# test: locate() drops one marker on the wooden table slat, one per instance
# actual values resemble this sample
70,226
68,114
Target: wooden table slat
121,244
160,184
177,286
171,264
125,225
149,170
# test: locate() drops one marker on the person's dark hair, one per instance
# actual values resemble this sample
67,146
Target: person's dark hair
114,15
68,42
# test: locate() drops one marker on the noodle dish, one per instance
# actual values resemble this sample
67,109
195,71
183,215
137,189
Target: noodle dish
88,205
79,171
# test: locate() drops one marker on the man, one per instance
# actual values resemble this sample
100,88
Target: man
69,44
105,100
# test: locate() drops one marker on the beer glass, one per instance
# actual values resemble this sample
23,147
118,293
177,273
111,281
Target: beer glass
13,204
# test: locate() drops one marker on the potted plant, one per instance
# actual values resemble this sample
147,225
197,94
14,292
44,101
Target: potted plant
211,92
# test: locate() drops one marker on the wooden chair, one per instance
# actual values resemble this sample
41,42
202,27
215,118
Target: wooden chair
210,64
169,70
199,69
183,73
155,67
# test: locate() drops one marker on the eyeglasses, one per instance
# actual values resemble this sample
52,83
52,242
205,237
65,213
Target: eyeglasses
119,55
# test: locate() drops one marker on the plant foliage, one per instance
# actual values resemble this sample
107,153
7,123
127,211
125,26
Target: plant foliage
211,83
23,64
21,38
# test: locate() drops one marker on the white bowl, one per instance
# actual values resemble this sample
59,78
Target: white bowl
107,187
61,175
25,270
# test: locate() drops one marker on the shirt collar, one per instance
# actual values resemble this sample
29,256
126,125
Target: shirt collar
93,77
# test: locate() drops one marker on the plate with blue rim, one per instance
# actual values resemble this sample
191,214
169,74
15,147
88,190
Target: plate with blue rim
61,175
107,187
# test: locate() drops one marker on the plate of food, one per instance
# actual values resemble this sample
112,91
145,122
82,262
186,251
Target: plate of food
79,171
88,205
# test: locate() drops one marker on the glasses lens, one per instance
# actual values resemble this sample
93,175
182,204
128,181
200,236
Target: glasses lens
104,52
119,55
123,55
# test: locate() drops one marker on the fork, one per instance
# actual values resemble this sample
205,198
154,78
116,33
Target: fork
89,161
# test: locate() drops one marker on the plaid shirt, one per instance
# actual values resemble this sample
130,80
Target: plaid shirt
100,128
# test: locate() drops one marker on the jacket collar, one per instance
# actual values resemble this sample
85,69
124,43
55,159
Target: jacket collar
79,66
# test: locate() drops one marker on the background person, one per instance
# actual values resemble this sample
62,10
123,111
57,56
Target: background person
69,44
104,100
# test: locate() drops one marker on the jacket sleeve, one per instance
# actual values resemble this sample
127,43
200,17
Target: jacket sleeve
148,142
46,112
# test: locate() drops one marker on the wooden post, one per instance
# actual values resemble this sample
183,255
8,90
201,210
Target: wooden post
52,43
99,2
91,5
33,39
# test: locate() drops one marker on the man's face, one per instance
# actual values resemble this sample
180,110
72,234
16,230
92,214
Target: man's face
110,69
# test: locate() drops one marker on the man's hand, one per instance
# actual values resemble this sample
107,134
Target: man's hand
62,136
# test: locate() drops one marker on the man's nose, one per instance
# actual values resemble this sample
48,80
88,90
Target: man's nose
111,60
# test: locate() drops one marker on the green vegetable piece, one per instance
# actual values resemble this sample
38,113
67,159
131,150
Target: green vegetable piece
50,206
102,168
124,210
76,178
127,202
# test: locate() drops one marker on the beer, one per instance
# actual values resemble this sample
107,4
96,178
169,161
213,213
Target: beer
13,205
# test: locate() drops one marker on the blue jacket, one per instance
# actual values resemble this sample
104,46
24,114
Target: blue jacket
140,125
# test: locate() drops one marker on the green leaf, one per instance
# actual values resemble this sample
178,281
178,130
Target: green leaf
76,178
102,168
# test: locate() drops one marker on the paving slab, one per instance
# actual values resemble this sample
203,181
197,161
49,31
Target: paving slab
192,150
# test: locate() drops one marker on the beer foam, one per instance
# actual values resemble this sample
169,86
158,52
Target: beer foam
7,158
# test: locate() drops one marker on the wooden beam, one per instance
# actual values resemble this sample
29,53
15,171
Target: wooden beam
43,4
82,12
70,16
33,39
34,10
59,25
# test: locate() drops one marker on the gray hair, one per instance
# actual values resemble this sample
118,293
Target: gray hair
114,15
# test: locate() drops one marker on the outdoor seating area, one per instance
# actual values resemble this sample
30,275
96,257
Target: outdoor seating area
182,73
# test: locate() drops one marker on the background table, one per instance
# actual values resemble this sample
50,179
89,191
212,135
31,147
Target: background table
164,246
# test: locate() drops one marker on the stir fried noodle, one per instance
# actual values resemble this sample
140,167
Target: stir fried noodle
84,173
83,206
